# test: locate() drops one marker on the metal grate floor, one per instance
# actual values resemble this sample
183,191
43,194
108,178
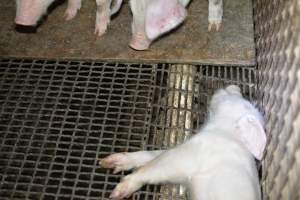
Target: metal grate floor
58,118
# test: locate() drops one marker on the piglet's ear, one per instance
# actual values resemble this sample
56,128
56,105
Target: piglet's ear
163,16
251,133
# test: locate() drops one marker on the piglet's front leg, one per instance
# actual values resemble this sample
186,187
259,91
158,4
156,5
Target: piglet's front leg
128,185
102,16
215,14
127,161
139,40
170,166
72,9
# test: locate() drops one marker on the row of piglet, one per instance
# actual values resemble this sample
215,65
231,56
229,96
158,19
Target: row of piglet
151,18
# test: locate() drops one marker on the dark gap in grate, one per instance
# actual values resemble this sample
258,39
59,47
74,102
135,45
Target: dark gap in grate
58,118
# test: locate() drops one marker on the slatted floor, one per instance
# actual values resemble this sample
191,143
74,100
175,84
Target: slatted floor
58,118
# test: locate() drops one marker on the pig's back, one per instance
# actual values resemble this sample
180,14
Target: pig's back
226,183
228,172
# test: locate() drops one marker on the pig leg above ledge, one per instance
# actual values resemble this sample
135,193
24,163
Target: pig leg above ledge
153,18
215,14
104,11
102,16
139,40
72,9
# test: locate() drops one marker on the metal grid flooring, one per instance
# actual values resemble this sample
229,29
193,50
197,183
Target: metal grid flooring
58,118
278,59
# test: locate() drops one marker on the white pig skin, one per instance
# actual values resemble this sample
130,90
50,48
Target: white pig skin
28,12
72,9
103,14
215,164
215,14
153,18
139,40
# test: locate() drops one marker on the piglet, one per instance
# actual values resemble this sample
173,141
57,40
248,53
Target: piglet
217,163
153,18
29,12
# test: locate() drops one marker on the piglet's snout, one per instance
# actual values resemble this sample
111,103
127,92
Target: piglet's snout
26,29
26,19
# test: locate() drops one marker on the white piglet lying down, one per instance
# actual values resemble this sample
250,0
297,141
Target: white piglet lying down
216,164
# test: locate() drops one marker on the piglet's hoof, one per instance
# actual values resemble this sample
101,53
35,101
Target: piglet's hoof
140,42
70,14
214,25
